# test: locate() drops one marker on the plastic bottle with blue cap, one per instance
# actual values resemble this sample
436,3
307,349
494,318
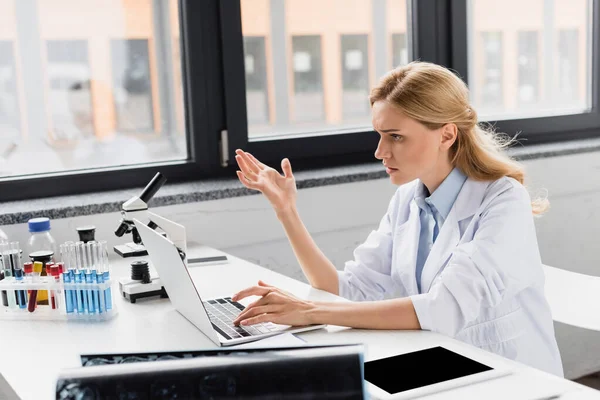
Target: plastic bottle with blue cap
40,239
41,247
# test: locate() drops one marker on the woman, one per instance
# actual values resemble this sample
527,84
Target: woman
456,252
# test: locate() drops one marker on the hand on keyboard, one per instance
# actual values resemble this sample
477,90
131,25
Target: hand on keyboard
275,305
222,313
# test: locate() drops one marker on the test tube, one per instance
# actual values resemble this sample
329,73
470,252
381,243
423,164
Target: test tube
15,263
71,268
82,306
90,277
97,259
35,276
4,293
49,293
66,277
54,277
28,273
105,273
15,258
11,300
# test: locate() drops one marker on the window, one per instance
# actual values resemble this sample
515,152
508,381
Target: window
568,67
355,76
310,64
97,85
528,73
9,102
68,74
491,91
257,94
132,85
308,79
530,64
399,50
106,94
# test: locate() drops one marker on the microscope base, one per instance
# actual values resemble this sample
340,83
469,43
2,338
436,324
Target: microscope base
130,250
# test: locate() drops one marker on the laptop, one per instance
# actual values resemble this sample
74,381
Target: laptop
213,317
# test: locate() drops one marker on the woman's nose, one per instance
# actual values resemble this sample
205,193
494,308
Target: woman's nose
381,152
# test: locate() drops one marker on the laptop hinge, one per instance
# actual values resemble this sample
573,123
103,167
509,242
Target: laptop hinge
224,148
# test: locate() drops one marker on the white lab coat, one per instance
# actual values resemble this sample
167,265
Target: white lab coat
483,281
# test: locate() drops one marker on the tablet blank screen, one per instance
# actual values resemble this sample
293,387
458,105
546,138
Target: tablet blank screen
420,368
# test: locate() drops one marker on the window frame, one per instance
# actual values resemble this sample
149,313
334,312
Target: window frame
427,40
214,89
544,129
204,119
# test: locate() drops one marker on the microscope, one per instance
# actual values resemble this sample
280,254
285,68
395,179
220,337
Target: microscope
137,207
142,284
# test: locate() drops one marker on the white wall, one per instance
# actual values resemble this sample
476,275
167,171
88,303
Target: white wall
341,216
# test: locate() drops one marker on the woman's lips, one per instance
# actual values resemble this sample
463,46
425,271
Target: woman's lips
391,170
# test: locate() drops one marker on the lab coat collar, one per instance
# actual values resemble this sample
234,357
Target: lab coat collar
466,205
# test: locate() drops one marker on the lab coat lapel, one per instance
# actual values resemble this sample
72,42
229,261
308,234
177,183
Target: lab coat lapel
406,241
465,206
446,241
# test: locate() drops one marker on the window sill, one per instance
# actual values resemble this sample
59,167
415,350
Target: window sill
104,202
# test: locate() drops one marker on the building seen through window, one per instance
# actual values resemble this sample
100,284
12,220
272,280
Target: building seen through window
89,84
529,64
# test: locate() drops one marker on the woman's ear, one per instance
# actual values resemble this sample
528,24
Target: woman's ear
449,133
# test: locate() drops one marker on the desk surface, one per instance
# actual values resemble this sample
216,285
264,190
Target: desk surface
46,347
574,298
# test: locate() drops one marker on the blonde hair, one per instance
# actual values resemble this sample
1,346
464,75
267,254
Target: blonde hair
434,96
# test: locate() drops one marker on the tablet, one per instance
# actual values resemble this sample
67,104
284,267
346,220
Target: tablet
424,372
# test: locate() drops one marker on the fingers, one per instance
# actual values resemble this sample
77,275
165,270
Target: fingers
246,182
249,162
246,170
258,163
274,289
286,166
251,291
259,310
274,318
258,303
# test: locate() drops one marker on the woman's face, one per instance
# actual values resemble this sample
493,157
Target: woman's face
407,148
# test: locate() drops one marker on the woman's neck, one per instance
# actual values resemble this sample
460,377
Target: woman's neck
435,179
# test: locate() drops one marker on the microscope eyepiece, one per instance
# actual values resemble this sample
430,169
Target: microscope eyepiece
152,187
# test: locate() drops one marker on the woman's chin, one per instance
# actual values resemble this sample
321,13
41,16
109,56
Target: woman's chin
398,179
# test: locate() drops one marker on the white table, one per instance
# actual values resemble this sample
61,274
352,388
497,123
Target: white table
574,298
40,349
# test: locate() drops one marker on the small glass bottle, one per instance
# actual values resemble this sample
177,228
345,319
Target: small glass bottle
41,242
40,238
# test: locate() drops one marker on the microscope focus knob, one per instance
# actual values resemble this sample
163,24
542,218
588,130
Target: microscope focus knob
140,271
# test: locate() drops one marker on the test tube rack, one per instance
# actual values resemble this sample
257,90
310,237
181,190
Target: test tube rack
78,295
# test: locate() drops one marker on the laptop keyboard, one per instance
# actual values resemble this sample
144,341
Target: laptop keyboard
222,313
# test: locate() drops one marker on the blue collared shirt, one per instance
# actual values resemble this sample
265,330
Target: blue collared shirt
433,212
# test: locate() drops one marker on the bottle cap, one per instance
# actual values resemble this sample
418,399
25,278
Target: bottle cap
39,224
28,267
86,233
37,267
41,255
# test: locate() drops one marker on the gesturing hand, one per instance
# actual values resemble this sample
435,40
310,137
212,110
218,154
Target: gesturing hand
275,306
279,190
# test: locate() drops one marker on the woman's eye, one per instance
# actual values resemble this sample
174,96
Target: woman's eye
396,138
